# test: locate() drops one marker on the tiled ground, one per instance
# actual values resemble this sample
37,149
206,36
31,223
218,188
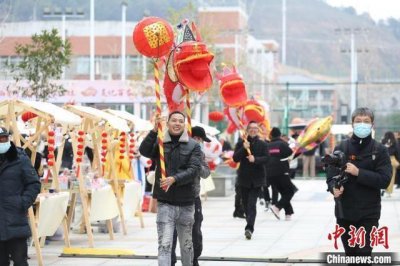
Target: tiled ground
302,238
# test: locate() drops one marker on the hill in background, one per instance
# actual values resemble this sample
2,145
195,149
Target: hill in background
312,40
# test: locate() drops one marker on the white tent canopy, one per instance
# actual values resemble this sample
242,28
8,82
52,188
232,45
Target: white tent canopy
139,123
114,121
59,115
209,129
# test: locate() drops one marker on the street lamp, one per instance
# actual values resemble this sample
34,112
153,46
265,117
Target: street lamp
353,63
124,4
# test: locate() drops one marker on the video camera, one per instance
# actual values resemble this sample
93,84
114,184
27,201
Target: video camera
338,159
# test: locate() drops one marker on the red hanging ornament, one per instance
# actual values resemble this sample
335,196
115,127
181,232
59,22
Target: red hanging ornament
216,116
153,37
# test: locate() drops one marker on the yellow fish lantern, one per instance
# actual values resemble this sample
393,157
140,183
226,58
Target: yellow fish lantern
315,132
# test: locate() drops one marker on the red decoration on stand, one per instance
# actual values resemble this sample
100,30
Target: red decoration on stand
122,144
79,152
103,151
131,149
50,148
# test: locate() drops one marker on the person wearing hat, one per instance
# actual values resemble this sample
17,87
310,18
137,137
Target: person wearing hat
278,173
175,193
20,185
199,135
251,173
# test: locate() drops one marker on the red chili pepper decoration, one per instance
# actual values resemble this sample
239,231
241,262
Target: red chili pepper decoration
50,148
104,142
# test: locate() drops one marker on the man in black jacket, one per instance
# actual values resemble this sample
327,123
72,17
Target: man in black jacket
176,193
19,185
278,173
251,173
199,135
369,170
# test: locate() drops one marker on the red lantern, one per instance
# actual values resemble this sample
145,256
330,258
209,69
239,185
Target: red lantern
26,116
51,134
153,37
81,133
216,116
50,163
104,134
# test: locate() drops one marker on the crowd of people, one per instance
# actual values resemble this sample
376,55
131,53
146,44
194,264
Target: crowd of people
264,162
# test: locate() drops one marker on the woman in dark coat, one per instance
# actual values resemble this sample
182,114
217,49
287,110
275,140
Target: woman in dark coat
19,186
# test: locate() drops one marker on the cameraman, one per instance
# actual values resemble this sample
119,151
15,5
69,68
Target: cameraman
368,169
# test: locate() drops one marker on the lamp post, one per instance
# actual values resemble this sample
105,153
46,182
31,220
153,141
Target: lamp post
63,14
92,40
353,62
124,4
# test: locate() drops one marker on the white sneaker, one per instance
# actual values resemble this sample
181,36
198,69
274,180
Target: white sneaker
262,202
275,211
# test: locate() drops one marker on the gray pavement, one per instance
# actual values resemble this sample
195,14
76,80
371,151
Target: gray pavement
304,237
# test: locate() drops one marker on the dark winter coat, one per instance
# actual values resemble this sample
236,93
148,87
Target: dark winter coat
278,150
361,197
251,174
19,186
182,161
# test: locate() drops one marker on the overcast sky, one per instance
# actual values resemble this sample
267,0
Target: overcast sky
378,9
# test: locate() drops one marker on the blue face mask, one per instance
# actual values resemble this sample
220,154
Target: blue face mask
362,130
4,147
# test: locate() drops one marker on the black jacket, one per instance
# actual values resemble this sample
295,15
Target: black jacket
182,161
19,187
278,150
251,174
361,196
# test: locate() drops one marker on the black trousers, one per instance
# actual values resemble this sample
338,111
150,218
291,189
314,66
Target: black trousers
264,194
15,249
285,187
357,251
249,198
239,208
197,235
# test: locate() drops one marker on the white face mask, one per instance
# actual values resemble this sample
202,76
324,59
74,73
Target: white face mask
4,147
201,146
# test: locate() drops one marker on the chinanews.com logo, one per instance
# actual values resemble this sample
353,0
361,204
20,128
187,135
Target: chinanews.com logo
360,238
340,258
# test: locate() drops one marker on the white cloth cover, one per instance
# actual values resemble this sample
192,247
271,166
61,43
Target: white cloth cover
206,185
132,198
52,210
104,204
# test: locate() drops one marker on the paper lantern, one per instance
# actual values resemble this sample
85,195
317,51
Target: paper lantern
216,116
232,88
26,116
153,37
192,65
